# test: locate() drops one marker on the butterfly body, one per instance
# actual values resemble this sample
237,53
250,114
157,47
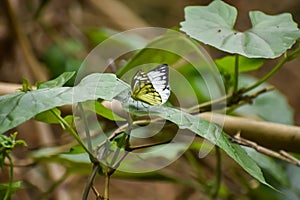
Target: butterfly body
152,87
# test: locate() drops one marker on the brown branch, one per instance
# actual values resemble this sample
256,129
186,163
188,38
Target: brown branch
282,155
8,88
270,135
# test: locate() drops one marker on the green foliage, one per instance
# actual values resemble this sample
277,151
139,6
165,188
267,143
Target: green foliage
26,86
11,188
61,96
61,80
19,107
48,116
269,37
101,110
7,144
227,64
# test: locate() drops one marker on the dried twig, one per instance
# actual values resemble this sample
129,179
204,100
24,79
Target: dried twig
282,155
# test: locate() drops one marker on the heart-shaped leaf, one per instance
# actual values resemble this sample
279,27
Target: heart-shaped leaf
269,37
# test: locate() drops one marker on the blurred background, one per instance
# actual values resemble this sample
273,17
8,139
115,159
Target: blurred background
40,39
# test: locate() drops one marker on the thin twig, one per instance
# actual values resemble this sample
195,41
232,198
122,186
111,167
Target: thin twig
89,184
86,128
11,177
246,99
277,67
75,135
133,148
290,157
282,155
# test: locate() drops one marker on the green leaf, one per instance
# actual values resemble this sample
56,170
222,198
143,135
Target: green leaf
69,119
211,132
269,165
26,86
101,110
48,116
19,107
6,186
58,82
269,37
7,144
227,63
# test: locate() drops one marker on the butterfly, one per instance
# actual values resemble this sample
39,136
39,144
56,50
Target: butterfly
152,87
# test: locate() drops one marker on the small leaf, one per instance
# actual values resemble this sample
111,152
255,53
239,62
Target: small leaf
58,82
69,119
26,86
227,63
48,116
7,144
269,37
101,110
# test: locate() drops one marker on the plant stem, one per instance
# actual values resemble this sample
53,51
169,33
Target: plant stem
218,174
106,189
11,178
236,74
89,184
87,130
125,143
267,76
209,103
285,59
75,135
117,152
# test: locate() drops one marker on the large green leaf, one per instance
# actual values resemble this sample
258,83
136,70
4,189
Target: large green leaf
211,132
19,107
269,37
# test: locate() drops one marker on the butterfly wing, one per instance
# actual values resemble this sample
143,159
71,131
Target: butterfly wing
153,87
143,90
159,78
